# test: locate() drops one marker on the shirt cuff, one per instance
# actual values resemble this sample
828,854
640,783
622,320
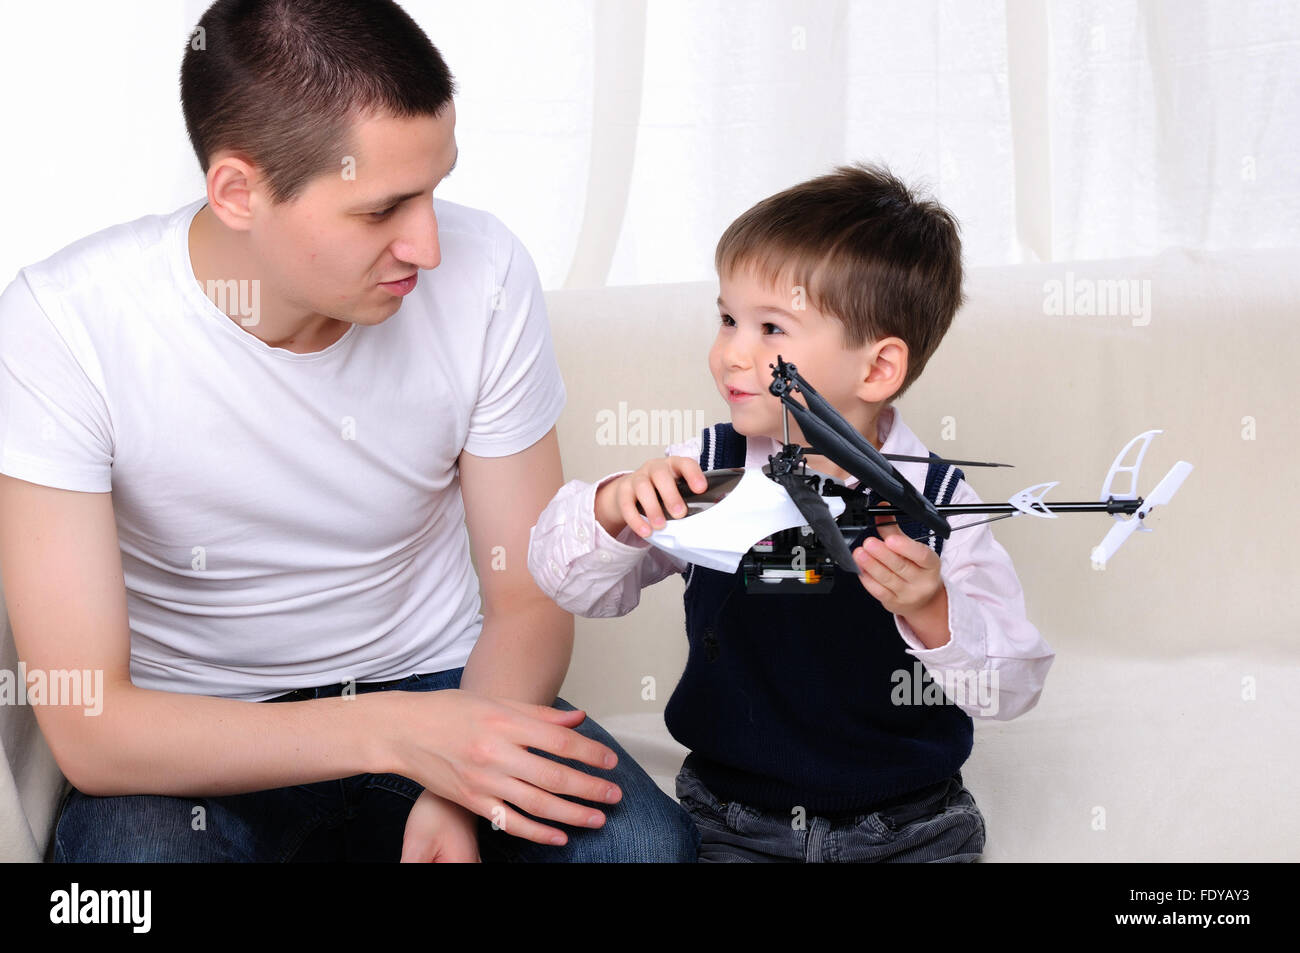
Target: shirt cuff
967,646
627,546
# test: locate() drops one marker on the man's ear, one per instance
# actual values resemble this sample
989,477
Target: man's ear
884,368
233,190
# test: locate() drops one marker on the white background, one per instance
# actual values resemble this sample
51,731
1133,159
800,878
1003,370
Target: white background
618,139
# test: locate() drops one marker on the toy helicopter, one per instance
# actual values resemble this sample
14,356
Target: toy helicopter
789,528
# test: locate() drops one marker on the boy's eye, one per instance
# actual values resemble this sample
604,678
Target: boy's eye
729,321
380,216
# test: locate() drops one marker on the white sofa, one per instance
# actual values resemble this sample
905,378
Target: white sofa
1165,730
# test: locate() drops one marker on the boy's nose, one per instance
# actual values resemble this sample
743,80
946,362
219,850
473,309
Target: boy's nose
738,358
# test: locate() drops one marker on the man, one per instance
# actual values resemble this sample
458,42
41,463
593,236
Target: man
300,393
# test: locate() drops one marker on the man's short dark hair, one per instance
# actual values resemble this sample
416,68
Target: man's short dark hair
281,82
864,249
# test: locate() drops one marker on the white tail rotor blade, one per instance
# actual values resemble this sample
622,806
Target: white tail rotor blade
1119,467
1030,500
1121,531
1166,488
1124,528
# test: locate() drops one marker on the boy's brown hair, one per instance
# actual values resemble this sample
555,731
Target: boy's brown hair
864,249
281,81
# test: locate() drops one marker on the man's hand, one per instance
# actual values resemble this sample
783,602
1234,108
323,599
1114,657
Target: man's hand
439,832
472,750
902,573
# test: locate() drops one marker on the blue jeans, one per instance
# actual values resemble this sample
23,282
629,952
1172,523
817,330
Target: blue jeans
939,824
359,818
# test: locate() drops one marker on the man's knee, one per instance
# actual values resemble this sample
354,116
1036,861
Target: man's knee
644,829
646,825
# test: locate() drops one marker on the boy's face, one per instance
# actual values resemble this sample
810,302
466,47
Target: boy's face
339,246
756,324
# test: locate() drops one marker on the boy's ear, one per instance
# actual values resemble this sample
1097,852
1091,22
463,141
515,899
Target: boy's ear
884,369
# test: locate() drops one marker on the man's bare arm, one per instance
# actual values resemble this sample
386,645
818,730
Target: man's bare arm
524,648
66,597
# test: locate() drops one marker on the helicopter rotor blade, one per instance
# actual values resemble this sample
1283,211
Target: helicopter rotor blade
814,509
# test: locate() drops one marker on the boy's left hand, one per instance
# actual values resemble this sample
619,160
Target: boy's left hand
900,572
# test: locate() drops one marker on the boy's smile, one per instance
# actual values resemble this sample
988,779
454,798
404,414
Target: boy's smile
758,321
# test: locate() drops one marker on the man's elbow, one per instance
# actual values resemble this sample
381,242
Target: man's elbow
78,763
96,784
89,755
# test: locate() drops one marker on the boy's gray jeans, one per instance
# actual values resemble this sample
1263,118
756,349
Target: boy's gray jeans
940,825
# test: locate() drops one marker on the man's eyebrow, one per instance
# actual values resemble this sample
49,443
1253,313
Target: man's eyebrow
391,200
764,309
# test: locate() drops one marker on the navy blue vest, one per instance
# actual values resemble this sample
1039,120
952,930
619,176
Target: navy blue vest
789,700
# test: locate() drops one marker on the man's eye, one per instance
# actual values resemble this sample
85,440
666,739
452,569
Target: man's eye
380,216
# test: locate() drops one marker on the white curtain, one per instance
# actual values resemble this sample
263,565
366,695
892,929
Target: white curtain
618,138
1054,131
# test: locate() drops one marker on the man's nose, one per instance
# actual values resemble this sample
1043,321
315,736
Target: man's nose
419,244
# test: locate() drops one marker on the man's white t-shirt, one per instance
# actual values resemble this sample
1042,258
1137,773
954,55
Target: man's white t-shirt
285,520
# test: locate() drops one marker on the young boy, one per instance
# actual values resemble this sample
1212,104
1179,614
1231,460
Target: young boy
815,723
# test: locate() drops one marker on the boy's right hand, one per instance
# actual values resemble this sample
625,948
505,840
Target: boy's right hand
473,750
654,487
